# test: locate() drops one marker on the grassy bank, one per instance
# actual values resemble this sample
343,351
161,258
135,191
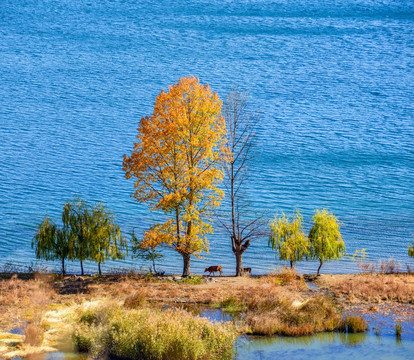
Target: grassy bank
47,308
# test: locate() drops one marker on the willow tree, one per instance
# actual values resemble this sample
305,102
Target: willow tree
105,240
76,217
325,238
52,242
176,163
288,238
411,250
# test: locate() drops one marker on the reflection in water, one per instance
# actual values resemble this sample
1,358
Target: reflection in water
324,346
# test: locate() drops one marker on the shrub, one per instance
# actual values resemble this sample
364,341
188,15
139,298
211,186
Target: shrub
355,324
82,338
136,300
389,266
154,334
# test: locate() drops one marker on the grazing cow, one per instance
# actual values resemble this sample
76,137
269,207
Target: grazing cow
247,270
213,269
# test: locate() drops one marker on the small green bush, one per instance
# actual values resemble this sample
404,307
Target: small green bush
154,334
82,338
194,280
355,324
88,317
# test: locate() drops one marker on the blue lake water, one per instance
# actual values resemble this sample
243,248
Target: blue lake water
332,80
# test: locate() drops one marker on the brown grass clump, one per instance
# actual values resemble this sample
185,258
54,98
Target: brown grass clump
136,300
33,335
370,287
286,277
284,317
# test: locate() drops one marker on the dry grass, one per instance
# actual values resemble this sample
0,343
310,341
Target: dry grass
370,287
286,277
135,300
23,301
33,335
284,317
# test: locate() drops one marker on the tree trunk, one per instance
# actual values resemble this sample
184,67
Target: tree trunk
63,266
321,262
81,267
187,260
153,265
239,263
99,268
291,264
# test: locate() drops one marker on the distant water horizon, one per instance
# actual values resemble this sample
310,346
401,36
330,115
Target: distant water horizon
332,81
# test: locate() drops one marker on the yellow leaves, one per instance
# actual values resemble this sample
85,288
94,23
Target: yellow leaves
288,237
158,234
325,236
176,163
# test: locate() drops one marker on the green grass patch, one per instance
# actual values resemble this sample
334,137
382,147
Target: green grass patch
193,280
153,334
231,304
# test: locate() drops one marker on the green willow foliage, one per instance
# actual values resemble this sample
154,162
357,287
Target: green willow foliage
76,217
411,250
288,238
53,242
87,234
325,238
106,240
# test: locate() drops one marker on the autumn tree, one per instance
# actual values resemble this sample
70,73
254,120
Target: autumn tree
142,250
244,225
105,240
288,238
325,238
52,242
176,164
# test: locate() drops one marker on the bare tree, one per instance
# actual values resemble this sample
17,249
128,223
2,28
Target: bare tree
241,125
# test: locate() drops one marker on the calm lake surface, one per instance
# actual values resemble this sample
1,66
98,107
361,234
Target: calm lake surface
333,81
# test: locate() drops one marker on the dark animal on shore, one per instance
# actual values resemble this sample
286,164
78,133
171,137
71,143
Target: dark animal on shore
247,270
213,269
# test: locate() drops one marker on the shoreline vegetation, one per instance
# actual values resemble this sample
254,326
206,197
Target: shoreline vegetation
184,151
144,316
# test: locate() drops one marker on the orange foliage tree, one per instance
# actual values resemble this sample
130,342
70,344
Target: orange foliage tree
177,166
